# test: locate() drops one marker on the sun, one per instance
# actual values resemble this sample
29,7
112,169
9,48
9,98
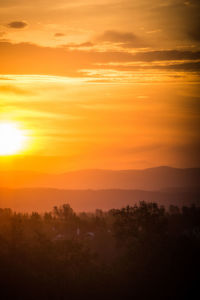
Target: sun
12,139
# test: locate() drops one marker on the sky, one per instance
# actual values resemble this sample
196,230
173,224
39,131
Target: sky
101,83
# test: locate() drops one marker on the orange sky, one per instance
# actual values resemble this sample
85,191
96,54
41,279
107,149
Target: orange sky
101,84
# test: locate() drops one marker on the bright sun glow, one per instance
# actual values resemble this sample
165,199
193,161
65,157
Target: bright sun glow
12,139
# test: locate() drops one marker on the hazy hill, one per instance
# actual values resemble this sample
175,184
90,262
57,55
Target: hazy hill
28,200
147,179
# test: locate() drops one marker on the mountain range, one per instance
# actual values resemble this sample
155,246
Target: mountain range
148,179
88,190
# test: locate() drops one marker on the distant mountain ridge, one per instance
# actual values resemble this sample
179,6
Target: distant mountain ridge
151,179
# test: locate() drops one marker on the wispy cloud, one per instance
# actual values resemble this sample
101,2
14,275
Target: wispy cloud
22,58
14,90
17,24
59,34
125,39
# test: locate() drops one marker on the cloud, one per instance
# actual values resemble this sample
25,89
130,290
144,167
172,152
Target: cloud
13,89
17,24
128,39
5,78
25,58
81,45
194,34
116,36
190,66
59,34
185,67
150,56
86,44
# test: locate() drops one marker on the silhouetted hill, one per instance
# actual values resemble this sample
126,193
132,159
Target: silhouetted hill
28,200
147,179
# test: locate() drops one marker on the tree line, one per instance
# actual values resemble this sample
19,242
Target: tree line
137,252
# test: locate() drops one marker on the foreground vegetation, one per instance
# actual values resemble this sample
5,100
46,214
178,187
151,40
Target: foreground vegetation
136,252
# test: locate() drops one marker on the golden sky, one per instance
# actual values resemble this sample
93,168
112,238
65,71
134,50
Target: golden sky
101,84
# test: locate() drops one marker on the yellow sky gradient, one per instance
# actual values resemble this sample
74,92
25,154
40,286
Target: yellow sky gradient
101,84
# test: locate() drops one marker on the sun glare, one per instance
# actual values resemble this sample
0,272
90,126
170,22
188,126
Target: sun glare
12,139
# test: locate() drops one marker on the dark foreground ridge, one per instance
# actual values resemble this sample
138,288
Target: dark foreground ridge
137,252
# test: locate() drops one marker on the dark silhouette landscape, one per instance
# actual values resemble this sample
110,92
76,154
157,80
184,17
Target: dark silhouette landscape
137,252
100,234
